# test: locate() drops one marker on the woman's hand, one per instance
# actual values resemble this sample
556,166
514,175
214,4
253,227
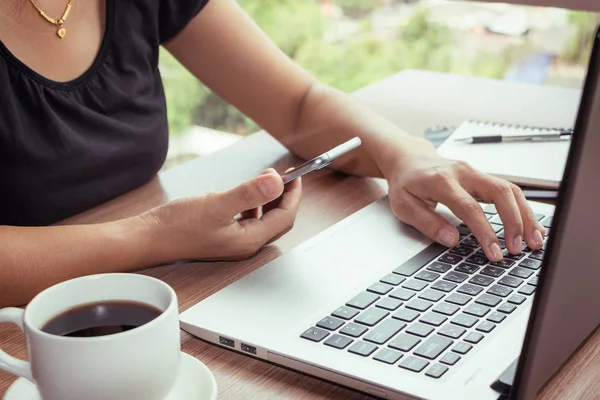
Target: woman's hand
420,181
226,225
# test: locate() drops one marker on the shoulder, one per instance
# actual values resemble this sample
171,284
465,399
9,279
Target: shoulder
174,15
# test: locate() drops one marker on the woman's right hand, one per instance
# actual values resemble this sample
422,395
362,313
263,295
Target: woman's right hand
226,225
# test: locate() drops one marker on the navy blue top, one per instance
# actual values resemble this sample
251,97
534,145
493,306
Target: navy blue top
66,147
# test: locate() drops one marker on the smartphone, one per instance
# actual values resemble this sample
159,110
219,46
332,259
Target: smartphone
321,161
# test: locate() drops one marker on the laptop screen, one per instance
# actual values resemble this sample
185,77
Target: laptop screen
566,309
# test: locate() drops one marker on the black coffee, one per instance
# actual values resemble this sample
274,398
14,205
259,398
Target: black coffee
102,318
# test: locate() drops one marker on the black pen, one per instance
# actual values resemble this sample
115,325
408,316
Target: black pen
563,134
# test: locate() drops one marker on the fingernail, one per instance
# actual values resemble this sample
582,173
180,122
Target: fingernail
496,251
268,186
518,243
446,237
537,238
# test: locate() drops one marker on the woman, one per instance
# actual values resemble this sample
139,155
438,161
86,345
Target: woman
83,120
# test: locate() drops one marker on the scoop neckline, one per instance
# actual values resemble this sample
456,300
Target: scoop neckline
86,75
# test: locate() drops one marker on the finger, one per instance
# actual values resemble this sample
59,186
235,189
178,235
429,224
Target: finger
533,231
449,192
501,194
251,194
278,220
416,213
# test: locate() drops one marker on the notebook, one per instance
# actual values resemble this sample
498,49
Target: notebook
536,164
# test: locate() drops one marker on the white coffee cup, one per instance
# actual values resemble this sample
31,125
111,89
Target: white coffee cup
141,363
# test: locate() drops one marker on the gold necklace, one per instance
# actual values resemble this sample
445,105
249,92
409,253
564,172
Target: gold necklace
61,31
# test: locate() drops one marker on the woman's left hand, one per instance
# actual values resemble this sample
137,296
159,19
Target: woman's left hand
418,182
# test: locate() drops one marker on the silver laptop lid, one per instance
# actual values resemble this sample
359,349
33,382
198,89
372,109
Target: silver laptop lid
566,309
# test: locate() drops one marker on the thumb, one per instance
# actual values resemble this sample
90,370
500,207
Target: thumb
251,194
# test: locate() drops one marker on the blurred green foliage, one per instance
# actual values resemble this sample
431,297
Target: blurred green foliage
300,29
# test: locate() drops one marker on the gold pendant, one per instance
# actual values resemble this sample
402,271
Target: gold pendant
61,32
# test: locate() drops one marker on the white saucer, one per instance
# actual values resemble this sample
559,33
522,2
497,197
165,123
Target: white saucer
195,382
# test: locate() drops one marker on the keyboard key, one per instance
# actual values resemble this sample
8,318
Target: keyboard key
490,209
507,308
547,222
402,294
527,289
496,227
431,295
387,356
462,251
471,290
406,315
404,342
330,323
507,254
540,216
488,300
421,259
450,358
517,299
473,337
345,313
363,300
502,244
315,334
457,277
434,319
352,329
501,235
463,230
393,279
450,258
546,234
362,348
413,364
459,299
427,276
492,271
504,263
511,281
478,259
444,286
338,341
496,317
538,255
500,290
486,327
380,288
462,348
419,329
470,242
464,320
496,220
433,347
533,281
531,263
414,285
467,268
418,305
521,272
439,267
384,331
481,280
446,309
372,316
388,303
452,331
477,310
436,371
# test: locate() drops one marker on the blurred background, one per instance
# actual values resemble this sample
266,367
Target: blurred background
352,43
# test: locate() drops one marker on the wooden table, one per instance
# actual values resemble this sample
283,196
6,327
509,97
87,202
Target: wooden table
412,99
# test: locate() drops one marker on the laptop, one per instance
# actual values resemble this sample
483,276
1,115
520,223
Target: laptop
373,305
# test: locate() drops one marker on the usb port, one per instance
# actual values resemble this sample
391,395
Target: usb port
248,349
226,341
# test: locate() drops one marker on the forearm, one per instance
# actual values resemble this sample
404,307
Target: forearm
34,258
328,117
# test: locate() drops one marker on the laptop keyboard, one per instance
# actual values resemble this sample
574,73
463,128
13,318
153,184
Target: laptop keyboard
436,307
